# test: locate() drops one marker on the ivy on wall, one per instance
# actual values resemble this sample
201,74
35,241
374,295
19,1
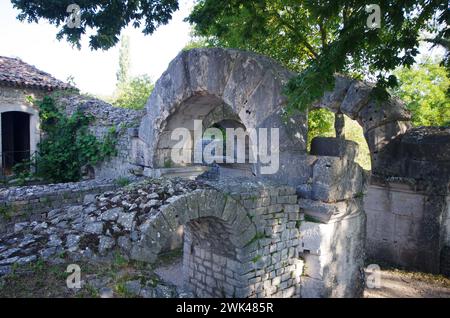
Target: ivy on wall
68,145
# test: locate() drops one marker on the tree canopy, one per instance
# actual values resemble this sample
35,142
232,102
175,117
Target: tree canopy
320,38
423,88
106,18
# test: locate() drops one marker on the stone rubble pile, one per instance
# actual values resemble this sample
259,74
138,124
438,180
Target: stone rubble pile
92,230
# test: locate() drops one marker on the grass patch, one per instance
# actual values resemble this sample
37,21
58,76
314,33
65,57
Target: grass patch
44,280
170,257
123,181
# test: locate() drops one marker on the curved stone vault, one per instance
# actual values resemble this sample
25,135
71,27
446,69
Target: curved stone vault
227,85
382,121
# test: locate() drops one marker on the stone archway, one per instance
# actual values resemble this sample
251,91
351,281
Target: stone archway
217,229
237,236
381,121
200,81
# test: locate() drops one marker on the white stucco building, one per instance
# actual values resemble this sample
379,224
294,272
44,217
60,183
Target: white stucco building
19,119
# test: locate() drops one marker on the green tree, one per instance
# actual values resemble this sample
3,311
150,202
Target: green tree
105,18
321,38
325,37
134,93
122,74
131,92
423,87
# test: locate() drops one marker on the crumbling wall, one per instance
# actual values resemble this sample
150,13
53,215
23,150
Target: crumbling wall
200,82
32,203
107,118
333,236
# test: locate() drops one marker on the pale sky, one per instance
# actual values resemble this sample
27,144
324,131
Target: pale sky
94,71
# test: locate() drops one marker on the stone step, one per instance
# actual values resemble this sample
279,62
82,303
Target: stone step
182,172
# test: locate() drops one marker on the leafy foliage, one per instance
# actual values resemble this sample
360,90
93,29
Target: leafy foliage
68,145
424,88
106,18
320,123
321,38
130,92
134,93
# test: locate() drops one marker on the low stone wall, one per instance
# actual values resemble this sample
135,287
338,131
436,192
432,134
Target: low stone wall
31,203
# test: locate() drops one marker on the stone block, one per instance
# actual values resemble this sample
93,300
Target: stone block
334,147
332,99
335,179
375,113
356,97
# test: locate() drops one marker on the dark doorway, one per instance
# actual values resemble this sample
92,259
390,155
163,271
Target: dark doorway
15,139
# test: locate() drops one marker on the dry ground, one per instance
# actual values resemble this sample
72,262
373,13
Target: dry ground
403,284
49,280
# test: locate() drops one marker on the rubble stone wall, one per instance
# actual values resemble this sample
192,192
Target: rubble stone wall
107,117
31,203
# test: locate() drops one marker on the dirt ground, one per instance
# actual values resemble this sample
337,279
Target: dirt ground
402,284
393,283
49,280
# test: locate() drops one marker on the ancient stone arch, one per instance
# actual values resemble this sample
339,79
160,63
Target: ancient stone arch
236,234
202,203
201,82
381,121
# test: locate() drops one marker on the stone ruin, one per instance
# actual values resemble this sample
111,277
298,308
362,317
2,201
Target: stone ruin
300,232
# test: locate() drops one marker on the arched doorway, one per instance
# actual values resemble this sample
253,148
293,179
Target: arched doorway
209,258
16,144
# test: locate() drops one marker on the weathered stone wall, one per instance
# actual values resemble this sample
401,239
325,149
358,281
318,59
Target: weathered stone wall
32,203
404,226
107,117
407,202
333,253
333,236
209,258
12,95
